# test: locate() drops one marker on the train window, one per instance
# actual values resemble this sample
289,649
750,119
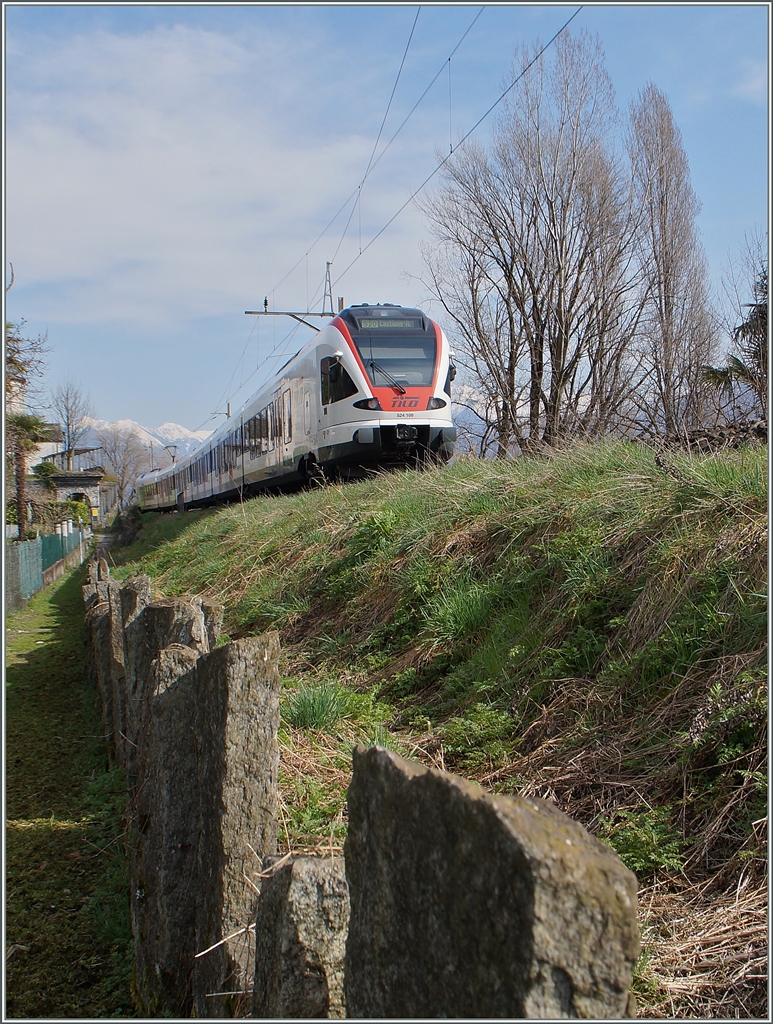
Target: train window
271,432
409,359
253,436
335,381
233,449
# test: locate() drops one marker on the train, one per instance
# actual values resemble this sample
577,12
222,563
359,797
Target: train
370,390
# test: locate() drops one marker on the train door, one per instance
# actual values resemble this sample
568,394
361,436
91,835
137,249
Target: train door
276,437
306,410
287,425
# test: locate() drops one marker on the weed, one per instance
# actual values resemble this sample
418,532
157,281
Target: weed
482,735
646,841
316,810
458,614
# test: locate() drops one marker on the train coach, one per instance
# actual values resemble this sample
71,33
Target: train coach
371,389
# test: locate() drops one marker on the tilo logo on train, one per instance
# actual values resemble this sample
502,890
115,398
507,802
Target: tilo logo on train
405,402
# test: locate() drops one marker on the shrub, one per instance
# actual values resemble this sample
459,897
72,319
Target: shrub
44,471
480,735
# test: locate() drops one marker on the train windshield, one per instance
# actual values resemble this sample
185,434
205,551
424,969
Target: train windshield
402,356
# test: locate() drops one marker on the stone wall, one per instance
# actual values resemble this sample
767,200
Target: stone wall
728,435
451,902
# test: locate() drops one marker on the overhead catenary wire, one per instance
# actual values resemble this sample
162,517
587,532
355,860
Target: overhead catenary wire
373,163
354,193
445,160
358,191
358,204
392,96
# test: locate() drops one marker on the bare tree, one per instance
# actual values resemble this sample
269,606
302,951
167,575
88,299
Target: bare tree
72,407
677,336
24,362
126,457
534,261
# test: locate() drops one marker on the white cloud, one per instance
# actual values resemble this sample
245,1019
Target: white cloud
180,170
160,180
753,82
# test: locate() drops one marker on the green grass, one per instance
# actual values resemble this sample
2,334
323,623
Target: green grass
590,627
595,574
316,707
67,905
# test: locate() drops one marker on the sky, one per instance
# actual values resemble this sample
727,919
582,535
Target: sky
168,166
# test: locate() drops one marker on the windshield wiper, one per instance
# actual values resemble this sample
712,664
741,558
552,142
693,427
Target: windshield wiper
395,384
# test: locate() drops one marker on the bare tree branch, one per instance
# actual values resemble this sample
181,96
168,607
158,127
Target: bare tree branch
126,457
72,407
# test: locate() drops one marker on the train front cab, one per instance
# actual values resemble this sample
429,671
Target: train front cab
396,358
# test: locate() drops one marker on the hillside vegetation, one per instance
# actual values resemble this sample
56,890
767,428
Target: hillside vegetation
590,628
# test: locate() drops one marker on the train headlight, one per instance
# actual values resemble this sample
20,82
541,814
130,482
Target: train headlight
367,403
436,403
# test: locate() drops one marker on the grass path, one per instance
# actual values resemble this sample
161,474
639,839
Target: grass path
68,949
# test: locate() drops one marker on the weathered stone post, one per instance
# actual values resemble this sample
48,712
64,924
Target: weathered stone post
238,777
147,629
300,935
465,904
100,596
195,728
206,787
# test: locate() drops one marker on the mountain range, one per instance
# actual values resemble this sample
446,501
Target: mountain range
165,436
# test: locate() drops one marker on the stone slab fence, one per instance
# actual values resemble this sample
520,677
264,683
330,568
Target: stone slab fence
195,729
449,902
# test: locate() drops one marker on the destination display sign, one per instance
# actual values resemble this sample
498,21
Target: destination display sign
371,323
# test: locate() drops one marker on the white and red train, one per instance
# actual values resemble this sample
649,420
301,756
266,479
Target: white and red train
371,389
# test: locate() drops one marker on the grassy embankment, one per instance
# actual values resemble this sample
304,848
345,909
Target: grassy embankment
590,628
68,939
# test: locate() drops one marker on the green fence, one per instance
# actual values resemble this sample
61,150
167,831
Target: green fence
23,571
56,546
26,561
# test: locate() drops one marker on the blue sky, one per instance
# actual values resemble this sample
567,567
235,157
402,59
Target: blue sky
167,166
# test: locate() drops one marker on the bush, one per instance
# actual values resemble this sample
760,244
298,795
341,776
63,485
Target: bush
482,735
44,471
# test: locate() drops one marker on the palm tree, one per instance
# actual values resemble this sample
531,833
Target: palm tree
24,432
749,368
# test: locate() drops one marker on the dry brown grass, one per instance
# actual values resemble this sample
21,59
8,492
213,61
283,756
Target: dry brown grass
704,947
705,952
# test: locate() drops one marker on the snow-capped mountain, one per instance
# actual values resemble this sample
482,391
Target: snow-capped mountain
165,436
